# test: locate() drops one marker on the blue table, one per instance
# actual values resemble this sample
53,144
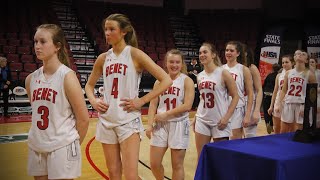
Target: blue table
273,157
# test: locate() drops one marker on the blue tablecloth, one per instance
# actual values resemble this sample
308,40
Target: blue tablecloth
273,157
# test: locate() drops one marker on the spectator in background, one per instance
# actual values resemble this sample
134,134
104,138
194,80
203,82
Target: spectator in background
193,70
5,81
268,88
313,67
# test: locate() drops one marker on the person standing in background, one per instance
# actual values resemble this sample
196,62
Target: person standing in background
268,88
5,81
313,67
194,68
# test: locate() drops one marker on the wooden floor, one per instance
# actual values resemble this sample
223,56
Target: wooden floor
13,156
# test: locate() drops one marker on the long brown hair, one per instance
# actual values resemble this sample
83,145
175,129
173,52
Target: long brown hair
125,26
58,40
241,58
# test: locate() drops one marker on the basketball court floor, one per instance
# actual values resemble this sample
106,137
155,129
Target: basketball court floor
14,151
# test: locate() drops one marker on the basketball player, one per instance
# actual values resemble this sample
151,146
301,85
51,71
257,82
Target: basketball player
251,131
274,109
294,92
242,75
212,120
170,113
120,127
59,114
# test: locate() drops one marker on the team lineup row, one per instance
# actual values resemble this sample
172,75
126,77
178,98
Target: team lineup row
229,107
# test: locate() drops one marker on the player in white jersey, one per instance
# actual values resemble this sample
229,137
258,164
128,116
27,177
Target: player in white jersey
59,114
169,113
251,130
120,127
274,109
212,120
241,74
294,91
313,67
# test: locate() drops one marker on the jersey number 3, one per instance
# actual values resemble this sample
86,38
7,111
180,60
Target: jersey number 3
44,122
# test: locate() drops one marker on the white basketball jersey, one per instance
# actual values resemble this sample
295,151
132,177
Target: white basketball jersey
297,86
53,122
280,83
237,74
173,97
120,80
213,97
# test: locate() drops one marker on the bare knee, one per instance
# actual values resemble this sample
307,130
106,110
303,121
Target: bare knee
155,164
115,171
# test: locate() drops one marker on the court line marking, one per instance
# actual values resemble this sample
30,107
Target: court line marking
90,160
93,164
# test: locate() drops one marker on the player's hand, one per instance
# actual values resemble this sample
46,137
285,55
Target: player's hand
222,124
161,117
246,122
149,131
130,105
193,124
100,106
255,118
270,110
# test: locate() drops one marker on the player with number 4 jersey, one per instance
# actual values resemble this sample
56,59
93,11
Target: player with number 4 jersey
120,126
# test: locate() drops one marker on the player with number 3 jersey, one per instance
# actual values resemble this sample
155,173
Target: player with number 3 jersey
59,114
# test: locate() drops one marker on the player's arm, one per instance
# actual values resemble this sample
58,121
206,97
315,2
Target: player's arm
143,61
312,77
274,95
27,85
152,112
232,91
258,87
284,87
249,90
96,73
75,96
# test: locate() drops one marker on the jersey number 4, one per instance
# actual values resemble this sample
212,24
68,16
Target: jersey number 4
44,122
114,90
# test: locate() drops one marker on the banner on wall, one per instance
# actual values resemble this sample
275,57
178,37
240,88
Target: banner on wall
313,43
270,51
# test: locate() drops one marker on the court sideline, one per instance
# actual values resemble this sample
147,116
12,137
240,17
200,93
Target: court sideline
13,157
